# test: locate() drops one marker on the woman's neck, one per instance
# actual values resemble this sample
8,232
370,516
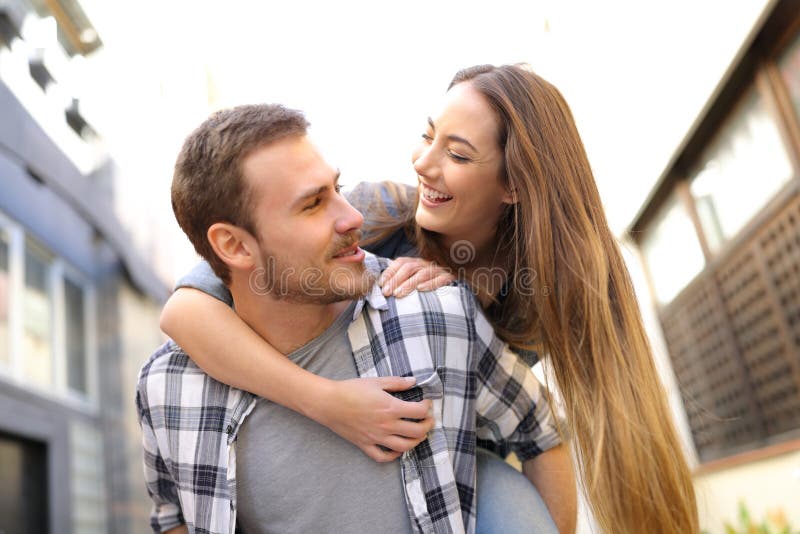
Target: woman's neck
470,252
478,263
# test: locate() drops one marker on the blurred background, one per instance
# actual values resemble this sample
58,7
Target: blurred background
689,110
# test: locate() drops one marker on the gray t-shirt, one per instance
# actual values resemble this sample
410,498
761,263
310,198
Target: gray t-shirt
294,475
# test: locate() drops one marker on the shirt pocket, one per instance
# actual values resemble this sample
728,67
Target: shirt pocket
428,386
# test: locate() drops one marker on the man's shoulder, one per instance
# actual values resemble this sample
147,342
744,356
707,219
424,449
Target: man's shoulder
455,298
169,358
451,311
170,376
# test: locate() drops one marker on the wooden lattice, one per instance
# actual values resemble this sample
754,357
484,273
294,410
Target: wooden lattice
734,339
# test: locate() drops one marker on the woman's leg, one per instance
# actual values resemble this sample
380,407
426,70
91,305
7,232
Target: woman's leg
507,502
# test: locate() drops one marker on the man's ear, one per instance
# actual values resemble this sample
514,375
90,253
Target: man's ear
234,245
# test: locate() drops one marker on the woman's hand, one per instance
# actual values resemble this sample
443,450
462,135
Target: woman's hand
407,274
361,411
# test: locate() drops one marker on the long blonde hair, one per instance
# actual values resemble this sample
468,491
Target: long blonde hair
580,309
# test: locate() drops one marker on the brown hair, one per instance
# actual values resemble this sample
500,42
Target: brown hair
208,186
580,308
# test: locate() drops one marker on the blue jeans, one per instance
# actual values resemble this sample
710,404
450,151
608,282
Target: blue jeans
507,502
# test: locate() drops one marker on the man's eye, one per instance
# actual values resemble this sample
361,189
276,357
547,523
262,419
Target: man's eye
338,188
316,203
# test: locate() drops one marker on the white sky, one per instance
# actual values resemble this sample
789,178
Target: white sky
635,73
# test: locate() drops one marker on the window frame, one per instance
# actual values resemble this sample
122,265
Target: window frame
89,333
32,248
767,85
58,270
675,201
756,88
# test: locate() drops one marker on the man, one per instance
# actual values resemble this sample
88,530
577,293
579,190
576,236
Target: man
262,206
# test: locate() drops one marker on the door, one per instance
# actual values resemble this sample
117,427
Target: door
23,486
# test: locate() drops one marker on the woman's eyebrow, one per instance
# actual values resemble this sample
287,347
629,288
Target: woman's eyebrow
451,137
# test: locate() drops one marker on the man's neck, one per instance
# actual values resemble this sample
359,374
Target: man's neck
285,325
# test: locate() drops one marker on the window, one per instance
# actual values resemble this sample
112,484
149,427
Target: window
37,318
46,315
741,170
5,348
75,333
672,251
731,323
789,65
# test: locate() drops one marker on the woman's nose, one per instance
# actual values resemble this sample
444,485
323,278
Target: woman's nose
425,162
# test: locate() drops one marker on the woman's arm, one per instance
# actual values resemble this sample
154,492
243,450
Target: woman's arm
359,410
552,474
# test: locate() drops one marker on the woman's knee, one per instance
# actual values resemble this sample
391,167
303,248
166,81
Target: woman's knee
507,501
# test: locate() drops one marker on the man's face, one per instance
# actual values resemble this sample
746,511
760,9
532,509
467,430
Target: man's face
307,232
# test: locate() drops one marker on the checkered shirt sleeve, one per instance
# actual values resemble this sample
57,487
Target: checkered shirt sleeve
512,406
186,417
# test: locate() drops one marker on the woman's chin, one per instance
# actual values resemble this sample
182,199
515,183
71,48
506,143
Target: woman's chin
428,220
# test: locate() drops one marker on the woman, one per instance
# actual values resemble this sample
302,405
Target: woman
517,194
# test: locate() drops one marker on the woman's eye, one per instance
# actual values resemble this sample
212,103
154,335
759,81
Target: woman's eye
458,159
338,188
427,137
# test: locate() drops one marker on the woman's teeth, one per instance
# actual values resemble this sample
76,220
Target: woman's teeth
434,196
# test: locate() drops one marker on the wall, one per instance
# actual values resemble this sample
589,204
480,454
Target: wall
764,486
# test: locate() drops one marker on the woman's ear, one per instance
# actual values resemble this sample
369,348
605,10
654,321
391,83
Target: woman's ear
233,245
510,197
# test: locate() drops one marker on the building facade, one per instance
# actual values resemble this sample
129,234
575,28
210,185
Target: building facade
78,305
719,238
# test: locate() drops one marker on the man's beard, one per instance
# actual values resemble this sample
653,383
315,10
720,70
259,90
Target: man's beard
284,279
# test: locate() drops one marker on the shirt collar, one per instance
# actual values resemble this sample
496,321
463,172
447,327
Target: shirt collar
375,296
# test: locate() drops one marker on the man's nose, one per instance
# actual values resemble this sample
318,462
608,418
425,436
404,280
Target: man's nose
348,218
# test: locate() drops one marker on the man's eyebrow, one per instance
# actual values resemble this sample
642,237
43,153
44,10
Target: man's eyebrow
456,138
311,193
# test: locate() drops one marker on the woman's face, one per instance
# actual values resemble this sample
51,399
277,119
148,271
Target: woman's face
458,164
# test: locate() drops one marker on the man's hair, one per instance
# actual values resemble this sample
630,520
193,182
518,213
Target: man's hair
208,186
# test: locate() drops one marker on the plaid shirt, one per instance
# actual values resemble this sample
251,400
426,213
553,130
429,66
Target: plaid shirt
479,389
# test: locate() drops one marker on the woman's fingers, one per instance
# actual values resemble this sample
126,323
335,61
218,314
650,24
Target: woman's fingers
394,265
406,274
394,383
411,409
400,444
440,280
400,275
381,454
424,274
427,282
414,430
364,412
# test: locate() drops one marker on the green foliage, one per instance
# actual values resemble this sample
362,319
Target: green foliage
774,523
